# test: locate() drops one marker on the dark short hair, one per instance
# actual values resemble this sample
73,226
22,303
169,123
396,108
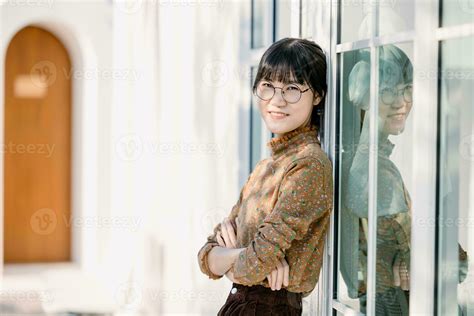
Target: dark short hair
299,59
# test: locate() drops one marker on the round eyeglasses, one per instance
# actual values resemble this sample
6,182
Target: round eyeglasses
291,93
389,95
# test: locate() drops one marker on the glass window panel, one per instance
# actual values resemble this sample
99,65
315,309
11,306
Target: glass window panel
354,98
308,17
262,23
456,179
395,16
394,170
355,20
454,12
283,13
356,17
255,128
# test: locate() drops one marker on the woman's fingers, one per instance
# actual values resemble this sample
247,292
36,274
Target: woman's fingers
225,235
274,278
231,232
228,233
234,225
286,272
280,275
220,240
396,272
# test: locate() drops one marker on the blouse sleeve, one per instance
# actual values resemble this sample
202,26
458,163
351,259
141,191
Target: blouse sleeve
302,200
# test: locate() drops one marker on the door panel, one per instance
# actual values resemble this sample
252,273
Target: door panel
37,149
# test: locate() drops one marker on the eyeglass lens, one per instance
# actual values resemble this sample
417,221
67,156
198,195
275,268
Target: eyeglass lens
389,95
290,93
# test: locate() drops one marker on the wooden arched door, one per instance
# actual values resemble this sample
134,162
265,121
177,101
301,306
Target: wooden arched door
37,149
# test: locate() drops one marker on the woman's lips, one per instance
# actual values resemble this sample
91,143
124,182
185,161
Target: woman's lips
278,115
397,117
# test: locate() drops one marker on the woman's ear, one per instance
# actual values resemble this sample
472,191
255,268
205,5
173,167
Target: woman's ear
317,99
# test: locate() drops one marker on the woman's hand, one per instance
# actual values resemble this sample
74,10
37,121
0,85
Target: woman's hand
280,276
227,236
401,275
221,259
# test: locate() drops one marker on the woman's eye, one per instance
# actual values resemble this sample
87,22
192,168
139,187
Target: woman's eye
266,84
292,88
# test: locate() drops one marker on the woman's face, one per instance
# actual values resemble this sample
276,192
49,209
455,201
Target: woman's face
394,108
295,114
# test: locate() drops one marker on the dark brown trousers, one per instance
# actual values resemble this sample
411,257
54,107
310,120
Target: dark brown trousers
258,300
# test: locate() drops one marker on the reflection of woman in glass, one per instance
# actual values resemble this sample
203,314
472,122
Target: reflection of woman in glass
393,200
271,244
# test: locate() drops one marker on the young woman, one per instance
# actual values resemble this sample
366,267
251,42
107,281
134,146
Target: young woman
271,244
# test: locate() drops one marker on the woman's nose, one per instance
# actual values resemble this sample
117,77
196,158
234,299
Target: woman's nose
399,102
278,99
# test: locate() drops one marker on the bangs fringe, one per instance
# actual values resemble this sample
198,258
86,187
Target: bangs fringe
278,69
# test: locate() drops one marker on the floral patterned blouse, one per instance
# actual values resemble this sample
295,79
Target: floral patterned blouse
283,212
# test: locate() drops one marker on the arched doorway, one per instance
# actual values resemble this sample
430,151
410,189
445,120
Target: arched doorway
37,149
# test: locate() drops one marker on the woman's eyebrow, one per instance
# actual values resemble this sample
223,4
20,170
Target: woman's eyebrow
293,82
287,82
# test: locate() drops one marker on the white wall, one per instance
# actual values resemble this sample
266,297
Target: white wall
180,177
155,140
183,177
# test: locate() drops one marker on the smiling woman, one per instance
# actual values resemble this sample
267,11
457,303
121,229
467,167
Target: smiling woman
298,69
271,245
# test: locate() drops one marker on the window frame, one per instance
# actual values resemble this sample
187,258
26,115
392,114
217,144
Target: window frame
426,37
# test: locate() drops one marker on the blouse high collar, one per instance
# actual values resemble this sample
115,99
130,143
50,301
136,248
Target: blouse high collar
293,139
